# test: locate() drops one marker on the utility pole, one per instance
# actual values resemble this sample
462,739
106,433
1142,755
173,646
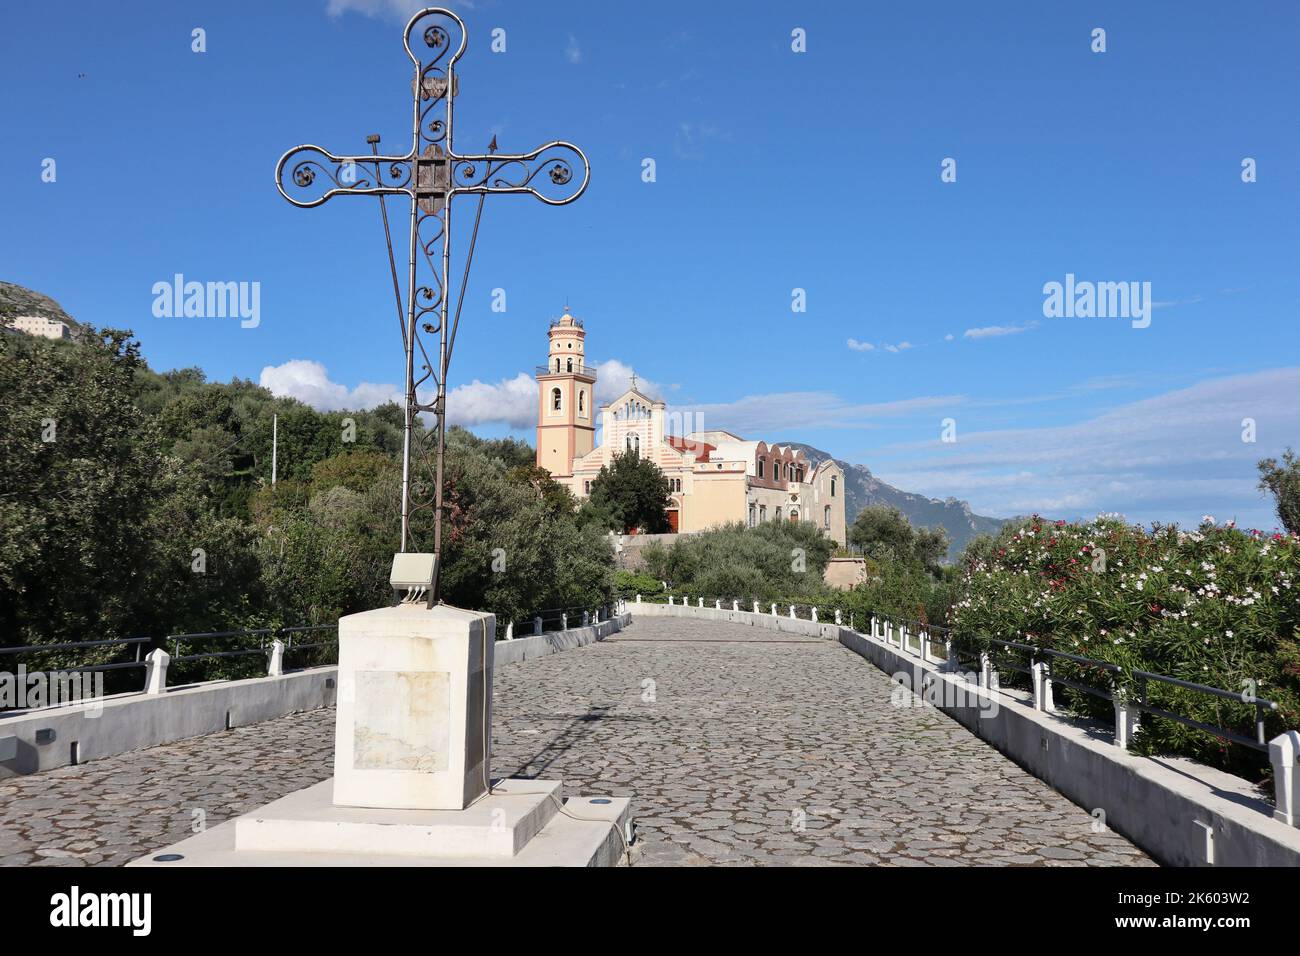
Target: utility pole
275,443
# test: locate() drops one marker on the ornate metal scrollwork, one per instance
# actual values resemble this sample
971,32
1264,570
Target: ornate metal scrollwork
431,173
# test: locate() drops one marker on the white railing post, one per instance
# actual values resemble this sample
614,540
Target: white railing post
814,615
1283,753
902,639
638,599
1042,676
735,604
717,604
701,602
986,670
586,618
839,617
925,645
774,610
275,666
155,672
510,631
791,610
564,620
537,626
1126,718
756,610
875,627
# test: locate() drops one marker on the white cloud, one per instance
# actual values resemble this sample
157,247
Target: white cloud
614,378
309,382
760,416
860,346
573,52
512,401
900,347
1172,457
994,331
691,138
391,9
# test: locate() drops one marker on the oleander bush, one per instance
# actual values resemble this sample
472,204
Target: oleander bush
1217,606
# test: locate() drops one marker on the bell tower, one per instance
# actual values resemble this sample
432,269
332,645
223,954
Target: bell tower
566,387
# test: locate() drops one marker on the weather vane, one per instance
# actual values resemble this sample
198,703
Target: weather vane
431,174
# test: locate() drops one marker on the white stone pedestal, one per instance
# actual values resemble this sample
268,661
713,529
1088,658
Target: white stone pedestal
412,751
414,708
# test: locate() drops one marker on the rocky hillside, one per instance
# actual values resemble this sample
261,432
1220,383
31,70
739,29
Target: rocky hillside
862,488
15,300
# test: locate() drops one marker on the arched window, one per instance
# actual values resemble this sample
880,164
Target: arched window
794,514
582,402
776,471
826,520
761,463
557,363
556,399
570,366
832,495
778,513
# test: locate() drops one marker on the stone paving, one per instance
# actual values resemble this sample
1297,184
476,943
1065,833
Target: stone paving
739,747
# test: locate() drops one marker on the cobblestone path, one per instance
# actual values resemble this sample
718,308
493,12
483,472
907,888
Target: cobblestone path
739,746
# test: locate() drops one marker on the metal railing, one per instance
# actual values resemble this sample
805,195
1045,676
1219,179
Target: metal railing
586,371
263,648
137,642
1140,700
554,619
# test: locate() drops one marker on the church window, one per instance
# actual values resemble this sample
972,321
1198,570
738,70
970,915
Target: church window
556,399
762,513
761,463
582,402
570,366
751,515
778,514
832,486
557,363
827,515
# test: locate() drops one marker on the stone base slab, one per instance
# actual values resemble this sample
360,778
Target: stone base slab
519,824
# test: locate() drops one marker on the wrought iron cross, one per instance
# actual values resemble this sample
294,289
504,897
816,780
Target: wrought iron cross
431,174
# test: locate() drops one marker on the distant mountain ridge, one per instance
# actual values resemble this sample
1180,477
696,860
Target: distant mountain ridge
862,488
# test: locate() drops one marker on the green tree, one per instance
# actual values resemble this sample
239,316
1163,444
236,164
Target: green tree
1283,480
630,493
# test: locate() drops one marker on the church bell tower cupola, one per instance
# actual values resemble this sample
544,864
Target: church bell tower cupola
566,388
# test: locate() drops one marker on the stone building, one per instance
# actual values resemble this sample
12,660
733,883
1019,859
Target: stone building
717,477
39,325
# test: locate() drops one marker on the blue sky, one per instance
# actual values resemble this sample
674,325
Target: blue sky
776,170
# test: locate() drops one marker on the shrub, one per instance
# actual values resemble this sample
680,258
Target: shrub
1215,606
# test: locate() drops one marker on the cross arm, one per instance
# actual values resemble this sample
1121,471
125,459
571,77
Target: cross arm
308,175
550,173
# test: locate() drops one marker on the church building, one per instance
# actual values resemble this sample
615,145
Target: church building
716,477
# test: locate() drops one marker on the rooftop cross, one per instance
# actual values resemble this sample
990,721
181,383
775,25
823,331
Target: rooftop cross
431,174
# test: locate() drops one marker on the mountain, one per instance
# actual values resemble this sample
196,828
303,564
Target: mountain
16,300
862,488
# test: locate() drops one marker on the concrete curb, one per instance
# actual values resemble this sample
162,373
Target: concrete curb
784,625
552,642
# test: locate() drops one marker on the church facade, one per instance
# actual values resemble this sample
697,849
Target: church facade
717,477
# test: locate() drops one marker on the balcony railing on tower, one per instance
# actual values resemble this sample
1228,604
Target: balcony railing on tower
587,371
